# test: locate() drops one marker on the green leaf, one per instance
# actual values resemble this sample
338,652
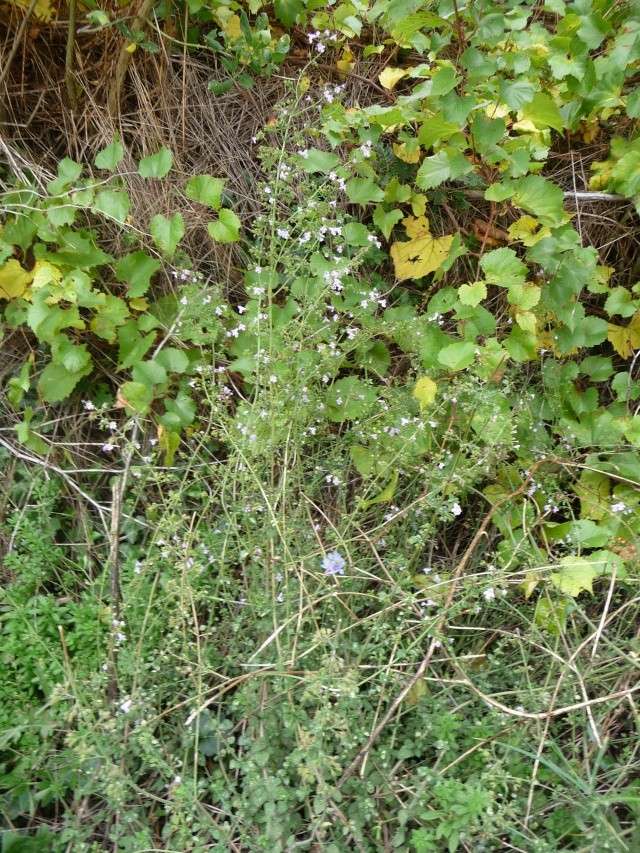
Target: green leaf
227,228
167,232
472,294
315,160
457,356
156,165
363,191
173,360
287,11
136,270
205,189
385,495
543,112
132,345
56,382
135,397
74,357
356,234
384,220
179,412
149,373
112,203
575,576
68,173
112,313
433,171
349,398
110,157
540,197
363,459
503,267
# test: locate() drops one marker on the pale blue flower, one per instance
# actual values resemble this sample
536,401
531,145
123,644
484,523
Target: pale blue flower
333,563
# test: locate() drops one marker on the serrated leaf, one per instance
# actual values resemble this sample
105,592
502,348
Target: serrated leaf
625,339
136,270
543,112
173,360
110,157
433,171
503,267
420,255
472,294
363,459
385,220
136,397
363,191
457,356
14,280
112,203
68,173
156,165
205,189
575,576
540,197
56,382
424,391
149,372
227,228
315,160
167,232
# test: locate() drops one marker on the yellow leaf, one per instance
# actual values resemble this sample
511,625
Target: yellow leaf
421,254
403,153
346,62
526,320
14,280
424,391
45,273
531,581
303,84
527,230
625,339
42,10
231,27
139,303
131,47
390,77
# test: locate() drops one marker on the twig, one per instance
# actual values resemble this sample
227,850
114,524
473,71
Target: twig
16,43
581,195
68,59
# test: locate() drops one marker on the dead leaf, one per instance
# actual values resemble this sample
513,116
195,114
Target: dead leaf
423,253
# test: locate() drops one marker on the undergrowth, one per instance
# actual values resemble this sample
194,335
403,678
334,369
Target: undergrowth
319,516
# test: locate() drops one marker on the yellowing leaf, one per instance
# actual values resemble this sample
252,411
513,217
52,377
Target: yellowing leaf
131,47
576,574
528,231
13,280
425,391
526,320
625,339
390,77
422,254
42,10
139,303
530,582
385,495
404,153
346,61
45,273
231,27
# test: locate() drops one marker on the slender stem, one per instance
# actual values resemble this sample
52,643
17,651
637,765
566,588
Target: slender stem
68,60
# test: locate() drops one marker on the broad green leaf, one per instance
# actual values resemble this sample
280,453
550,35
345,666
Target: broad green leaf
315,160
540,197
167,232
363,459
179,412
424,391
457,356
132,346
56,382
110,157
136,270
112,203
348,399
68,173
363,191
385,220
156,165
111,314
433,171
74,357
472,294
135,397
205,189
356,234
287,11
575,576
149,372
543,112
173,360
503,267
227,227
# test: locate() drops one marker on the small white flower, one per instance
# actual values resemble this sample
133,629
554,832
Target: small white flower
620,506
489,594
456,509
126,706
88,405
282,232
